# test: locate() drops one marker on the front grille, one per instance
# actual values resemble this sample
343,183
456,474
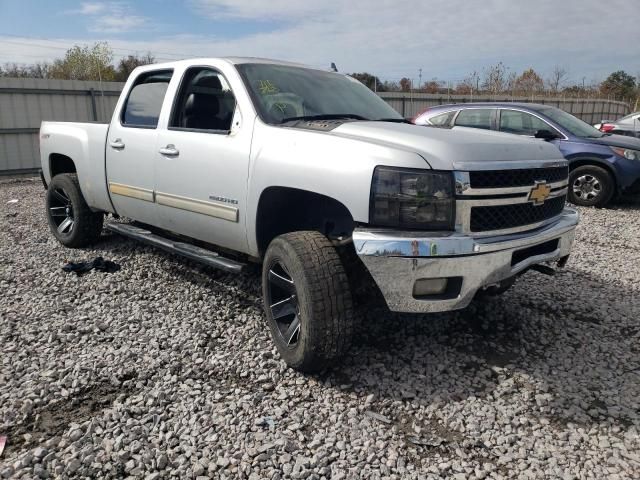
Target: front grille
516,178
501,217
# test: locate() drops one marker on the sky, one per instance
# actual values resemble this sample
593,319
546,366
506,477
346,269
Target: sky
447,39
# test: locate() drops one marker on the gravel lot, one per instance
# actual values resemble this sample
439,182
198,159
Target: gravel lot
166,369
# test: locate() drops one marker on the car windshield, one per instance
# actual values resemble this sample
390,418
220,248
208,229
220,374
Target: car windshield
573,125
283,93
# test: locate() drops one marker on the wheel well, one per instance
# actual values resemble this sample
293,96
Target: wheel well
59,163
282,210
581,163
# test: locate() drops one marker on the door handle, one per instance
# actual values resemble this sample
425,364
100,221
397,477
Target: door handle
117,144
170,150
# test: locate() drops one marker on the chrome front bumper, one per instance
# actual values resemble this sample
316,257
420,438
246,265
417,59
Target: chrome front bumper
397,259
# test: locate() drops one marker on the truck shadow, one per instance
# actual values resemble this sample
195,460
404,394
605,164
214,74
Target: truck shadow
571,343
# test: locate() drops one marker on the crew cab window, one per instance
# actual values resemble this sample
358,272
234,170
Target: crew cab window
521,123
442,120
475,118
143,105
205,102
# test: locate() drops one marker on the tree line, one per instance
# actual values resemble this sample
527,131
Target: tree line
499,80
96,62
81,63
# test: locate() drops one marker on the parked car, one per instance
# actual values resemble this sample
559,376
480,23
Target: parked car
230,161
602,165
628,125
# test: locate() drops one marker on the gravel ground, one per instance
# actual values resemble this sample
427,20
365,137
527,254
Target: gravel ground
166,369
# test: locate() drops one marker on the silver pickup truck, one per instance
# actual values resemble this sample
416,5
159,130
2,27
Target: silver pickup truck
236,160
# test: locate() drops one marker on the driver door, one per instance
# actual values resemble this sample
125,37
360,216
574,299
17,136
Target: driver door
202,162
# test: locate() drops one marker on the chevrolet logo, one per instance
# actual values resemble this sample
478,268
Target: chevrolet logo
539,193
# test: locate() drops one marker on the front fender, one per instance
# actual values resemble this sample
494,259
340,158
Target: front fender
334,166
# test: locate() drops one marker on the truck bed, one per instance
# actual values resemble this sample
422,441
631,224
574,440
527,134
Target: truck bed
85,144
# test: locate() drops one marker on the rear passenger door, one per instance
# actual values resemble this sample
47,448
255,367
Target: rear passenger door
202,162
131,147
483,118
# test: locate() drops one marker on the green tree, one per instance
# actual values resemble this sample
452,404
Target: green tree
369,80
37,70
85,63
131,62
405,84
390,86
619,84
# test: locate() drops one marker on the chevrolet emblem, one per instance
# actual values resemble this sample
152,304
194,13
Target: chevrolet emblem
539,193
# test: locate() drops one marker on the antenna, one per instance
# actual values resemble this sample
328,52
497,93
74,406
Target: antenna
333,67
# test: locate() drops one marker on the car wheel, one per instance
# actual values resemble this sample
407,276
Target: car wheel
71,220
590,186
307,300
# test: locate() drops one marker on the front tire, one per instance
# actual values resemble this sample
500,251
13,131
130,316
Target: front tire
71,220
590,186
307,300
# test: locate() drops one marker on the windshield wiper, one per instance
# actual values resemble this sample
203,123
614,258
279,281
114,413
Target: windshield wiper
393,120
324,116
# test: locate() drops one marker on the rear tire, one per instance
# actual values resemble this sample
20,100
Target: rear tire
307,300
71,220
590,186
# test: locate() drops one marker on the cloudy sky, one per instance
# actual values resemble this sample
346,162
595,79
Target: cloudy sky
447,39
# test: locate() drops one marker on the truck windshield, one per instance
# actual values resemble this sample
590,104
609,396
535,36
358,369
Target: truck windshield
283,93
573,125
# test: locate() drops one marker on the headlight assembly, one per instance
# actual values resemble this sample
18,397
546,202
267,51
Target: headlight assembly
627,153
412,198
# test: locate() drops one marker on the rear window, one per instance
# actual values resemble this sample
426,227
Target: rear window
475,118
143,105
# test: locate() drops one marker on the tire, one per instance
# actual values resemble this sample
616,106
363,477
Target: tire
590,186
307,300
71,220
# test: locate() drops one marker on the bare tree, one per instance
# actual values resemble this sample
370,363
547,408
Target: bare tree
557,79
469,84
495,78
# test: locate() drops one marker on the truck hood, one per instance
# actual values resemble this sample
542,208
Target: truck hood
458,148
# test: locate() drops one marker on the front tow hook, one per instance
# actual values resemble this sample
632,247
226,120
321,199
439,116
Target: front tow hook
543,269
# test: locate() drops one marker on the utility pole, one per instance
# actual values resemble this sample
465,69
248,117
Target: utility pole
419,78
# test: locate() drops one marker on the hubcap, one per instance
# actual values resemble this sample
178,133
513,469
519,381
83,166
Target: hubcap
587,187
61,211
283,303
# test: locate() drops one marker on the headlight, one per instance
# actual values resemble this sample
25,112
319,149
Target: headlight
409,198
627,153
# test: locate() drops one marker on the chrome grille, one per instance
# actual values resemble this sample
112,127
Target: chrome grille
516,178
497,201
500,217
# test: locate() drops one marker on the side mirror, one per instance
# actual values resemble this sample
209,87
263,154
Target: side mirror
546,135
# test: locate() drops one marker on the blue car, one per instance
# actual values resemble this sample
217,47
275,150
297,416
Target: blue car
602,165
